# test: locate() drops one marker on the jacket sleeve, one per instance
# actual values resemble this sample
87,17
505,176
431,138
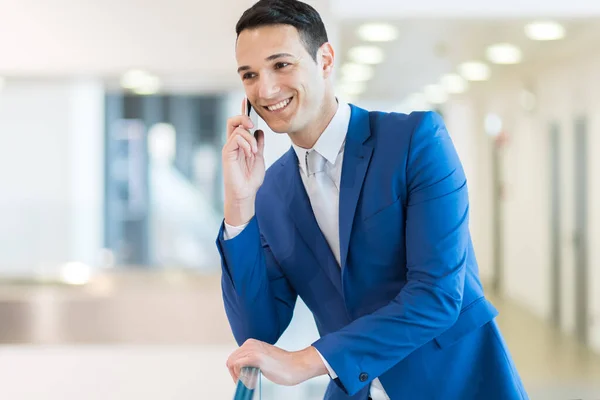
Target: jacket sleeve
437,240
259,301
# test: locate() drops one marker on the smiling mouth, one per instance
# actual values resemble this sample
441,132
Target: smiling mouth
279,106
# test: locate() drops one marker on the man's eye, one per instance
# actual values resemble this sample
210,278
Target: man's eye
248,75
281,65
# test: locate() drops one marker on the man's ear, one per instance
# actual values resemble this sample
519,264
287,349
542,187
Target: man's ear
326,58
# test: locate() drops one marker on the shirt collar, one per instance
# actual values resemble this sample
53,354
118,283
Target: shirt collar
331,140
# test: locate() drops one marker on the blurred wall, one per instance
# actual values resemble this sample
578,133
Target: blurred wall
474,148
51,174
563,92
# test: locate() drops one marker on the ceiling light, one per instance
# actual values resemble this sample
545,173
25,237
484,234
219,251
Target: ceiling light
357,72
435,94
544,30
140,82
377,32
504,53
366,54
134,78
454,83
151,86
352,88
474,71
76,273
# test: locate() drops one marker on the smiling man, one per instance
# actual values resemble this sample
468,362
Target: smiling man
365,218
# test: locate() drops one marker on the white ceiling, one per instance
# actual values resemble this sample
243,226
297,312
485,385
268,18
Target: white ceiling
190,43
360,9
177,39
428,48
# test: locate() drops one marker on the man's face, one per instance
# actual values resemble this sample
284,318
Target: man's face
281,79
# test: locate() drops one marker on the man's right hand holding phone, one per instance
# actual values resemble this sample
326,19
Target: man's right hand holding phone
243,168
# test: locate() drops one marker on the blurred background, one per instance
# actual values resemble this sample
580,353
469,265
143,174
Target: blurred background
112,118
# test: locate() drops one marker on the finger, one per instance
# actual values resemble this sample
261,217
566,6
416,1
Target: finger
242,363
230,364
260,142
238,120
244,104
249,138
245,146
239,140
233,375
236,371
233,147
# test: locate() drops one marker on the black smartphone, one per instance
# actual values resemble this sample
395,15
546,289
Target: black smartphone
252,115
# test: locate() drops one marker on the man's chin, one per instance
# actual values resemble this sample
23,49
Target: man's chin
279,128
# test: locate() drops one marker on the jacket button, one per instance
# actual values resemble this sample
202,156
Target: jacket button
363,377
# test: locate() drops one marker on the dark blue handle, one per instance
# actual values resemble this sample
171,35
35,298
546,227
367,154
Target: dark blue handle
247,384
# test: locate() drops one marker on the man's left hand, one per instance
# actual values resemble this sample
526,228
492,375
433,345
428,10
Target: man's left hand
282,367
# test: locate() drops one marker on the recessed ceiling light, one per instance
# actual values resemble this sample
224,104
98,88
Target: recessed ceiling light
545,30
504,53
356,72
377,32
474,71
140,82
435,94
454,83
366,54
151,86
76,273
133,78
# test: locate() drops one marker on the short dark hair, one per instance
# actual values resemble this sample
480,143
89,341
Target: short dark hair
287,12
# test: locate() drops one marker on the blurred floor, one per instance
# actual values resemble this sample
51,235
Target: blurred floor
552,365
165,335
172,307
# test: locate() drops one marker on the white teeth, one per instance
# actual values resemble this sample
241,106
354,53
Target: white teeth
279,105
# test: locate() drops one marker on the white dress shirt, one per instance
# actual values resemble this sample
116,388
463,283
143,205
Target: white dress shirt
322,195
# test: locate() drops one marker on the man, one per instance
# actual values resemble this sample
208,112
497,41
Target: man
365,218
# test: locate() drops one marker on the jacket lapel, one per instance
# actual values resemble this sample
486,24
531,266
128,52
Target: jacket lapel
357,156
301,212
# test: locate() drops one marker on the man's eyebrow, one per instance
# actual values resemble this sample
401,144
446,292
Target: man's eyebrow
278,55
270,58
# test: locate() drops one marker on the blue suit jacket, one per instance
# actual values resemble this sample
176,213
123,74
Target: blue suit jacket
407,304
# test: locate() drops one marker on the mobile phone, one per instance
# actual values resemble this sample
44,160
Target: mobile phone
253,116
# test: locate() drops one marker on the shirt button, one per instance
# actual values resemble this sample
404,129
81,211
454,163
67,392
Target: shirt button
363,377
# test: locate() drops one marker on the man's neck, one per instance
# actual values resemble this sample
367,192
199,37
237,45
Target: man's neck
309,136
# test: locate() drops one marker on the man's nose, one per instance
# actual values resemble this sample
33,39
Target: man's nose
268,86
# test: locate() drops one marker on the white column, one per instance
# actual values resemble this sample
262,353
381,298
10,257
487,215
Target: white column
51,175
